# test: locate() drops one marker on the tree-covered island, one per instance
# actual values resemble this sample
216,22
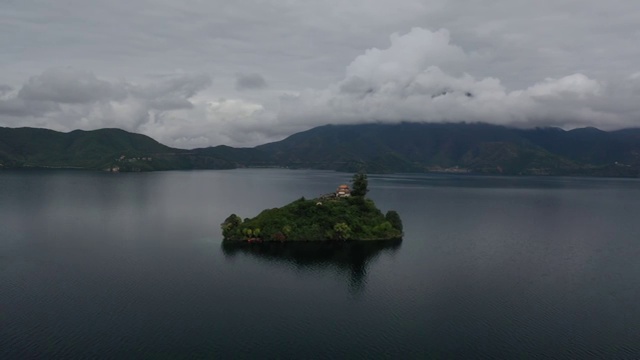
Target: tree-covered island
344,215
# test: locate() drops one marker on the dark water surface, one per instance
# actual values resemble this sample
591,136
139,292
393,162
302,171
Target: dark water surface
131,266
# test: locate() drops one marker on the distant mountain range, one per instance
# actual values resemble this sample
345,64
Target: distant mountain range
376,148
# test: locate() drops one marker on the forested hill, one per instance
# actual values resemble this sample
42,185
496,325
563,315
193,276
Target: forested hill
460,147
404,147
104,149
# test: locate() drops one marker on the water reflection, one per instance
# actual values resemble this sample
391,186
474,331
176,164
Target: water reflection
351,257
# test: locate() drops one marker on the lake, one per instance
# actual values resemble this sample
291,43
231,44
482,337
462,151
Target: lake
97,265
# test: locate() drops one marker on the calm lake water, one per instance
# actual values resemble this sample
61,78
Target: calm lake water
131,266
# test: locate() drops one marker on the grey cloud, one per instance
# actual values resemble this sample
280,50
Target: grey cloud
69,86
250,82
5,89
357,85
70,99
16,107
501,52
75,87
170,103
172,92
306,44
179,85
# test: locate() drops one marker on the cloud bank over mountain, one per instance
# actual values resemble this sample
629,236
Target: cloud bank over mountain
421,77
200,79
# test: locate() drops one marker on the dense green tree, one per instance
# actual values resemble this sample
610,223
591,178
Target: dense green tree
342,231
393,217
353,218
360,184
231,225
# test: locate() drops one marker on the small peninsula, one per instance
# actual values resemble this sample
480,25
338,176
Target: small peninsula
343,215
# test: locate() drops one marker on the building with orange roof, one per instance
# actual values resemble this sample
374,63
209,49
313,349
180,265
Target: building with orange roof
343,191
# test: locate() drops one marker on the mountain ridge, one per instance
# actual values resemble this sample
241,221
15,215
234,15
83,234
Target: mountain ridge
374,147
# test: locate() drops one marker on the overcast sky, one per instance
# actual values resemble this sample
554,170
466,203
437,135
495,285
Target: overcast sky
195,73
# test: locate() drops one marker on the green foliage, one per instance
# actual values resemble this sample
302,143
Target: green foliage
351,218
231,226
393,218
341,231
360,184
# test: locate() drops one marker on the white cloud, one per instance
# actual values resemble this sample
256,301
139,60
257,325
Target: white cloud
407,54
409,81
222,121
577,85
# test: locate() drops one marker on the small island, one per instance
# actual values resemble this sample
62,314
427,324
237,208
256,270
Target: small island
345,214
